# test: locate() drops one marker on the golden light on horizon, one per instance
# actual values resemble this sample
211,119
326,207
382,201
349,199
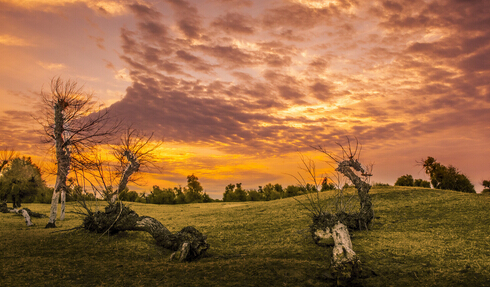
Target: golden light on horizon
235,87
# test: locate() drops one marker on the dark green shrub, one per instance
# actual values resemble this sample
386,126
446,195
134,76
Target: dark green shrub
421,183
404,180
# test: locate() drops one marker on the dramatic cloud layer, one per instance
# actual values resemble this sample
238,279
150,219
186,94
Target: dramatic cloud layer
264,79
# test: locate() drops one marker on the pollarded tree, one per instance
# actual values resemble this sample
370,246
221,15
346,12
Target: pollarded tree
73,123
344,261
134,152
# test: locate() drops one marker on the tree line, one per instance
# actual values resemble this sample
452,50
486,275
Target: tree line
21,181
441,177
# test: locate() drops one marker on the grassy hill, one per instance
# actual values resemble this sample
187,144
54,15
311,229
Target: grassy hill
420,237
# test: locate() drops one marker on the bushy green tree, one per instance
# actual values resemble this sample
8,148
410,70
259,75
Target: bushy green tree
404,180
161,196
443,177
240,194
293,190
254,195
194,191
20,179
272,192
486,186
127,195
229,194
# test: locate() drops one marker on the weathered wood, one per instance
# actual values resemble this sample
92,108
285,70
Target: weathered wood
189,243
344,263
24,213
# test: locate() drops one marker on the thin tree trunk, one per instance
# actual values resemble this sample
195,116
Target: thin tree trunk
63,200
54,206
63,157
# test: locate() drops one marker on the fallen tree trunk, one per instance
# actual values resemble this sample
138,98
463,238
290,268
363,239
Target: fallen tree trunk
25,212
344,263
189,244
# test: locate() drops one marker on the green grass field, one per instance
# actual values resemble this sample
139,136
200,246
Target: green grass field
420,237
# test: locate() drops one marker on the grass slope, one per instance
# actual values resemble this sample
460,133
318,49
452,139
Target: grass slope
421,237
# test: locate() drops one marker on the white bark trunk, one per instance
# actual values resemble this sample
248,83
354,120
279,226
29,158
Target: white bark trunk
63,200
24,213
54,206
344,262
342,252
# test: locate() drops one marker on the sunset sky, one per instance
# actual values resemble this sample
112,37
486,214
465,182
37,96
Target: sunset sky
237,88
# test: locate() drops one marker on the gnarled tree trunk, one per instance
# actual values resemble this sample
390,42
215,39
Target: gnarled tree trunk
345,264
188,244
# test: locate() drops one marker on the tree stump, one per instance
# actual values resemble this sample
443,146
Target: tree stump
344,263
189,244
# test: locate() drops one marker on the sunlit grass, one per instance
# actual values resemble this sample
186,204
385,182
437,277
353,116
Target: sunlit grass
421,237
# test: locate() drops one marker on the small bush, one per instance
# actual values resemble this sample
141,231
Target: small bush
404,180
421,183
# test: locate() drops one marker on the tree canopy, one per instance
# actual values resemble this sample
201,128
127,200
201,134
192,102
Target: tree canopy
443,177
20,178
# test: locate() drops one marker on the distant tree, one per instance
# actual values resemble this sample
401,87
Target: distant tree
272,192
404,180
194,191
443,177
486,186
327,185
293,190
254,195
240,193
229,194
179,195
127,195
20,179
422,183
206,198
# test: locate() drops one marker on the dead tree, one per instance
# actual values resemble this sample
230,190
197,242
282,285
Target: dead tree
189,244
25,212
133,152
72,122
7,156
335,227
348,165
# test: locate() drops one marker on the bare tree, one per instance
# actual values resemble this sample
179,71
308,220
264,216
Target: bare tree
73,122
349,165
133,152
328,226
